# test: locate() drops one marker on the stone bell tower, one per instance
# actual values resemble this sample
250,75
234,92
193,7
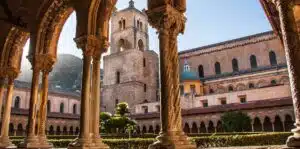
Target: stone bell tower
131,69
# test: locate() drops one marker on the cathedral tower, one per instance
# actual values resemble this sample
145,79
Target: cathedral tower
131,69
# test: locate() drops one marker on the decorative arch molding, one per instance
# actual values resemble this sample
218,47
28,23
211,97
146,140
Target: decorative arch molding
50,27
284,80
262,83
240,87
11,54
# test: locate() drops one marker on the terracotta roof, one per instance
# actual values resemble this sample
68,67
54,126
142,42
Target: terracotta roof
260,104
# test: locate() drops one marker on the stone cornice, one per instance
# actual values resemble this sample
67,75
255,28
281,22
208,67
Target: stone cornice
252,39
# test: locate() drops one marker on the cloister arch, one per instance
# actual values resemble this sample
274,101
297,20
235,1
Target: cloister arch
65,130
194,128
151,130
288,122
144,130
19,130
278,125
71,131
11,129
267,124
51,130
220,127
257,126
58,132
157,129
211,127
186,128
202,127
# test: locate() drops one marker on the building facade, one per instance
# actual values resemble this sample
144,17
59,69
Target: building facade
131,69
248,74
63,110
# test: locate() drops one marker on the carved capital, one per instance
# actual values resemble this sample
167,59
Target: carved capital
12,73
104,44
88,44
278,3
167,19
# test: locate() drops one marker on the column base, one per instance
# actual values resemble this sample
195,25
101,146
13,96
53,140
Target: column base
30,142
294,140
44,142
98,143
172,140
80,143
6,143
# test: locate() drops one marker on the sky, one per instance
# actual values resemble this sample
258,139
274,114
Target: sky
208,22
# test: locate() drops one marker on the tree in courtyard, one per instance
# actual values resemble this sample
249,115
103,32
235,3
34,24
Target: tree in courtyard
122,109
120,122
105,120
236,122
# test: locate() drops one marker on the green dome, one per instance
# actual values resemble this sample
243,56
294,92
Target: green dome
188,75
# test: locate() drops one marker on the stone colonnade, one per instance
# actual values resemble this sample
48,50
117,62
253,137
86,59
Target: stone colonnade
92,38
92,30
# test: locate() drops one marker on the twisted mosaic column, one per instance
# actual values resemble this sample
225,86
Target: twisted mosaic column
292,51
169,22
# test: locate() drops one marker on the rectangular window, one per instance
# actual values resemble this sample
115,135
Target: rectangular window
223,101
144,62
204,103
193,89
118,77
181,89
145,87
243,99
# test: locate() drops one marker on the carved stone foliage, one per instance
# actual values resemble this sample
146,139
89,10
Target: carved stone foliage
11,55
50,27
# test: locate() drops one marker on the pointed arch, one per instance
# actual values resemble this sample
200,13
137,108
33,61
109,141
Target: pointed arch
186,128
257,126
17,102
272,58
278,125
267,124
202,128
235,65
201,71
253,62
194,128
218,68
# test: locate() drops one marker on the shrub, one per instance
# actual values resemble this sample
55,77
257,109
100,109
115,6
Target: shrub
236,122
242,139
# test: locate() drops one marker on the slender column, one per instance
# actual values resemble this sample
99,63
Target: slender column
96,104
292,51
169,22
43,112
273,127
31,140
84,140
1,95
4,141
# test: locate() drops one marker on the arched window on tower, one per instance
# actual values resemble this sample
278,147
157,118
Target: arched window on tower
120,25
217,68
75,109
145,87
201,71
118,77
124,24
138,24
141,26
17,102
61,108
121,45
141,45
273,59
253,62
48,106
235,65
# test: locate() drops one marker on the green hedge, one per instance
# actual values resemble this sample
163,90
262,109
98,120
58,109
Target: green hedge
242,140
202,142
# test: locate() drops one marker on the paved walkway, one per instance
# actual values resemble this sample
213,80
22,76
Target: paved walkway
251,147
